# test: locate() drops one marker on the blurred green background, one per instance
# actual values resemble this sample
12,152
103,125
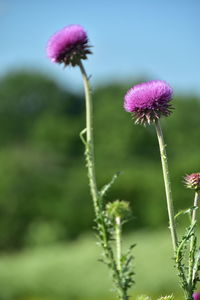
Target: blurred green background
48,250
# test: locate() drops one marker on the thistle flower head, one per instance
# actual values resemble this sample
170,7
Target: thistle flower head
149,101
118,208
196,296
68,46
192,181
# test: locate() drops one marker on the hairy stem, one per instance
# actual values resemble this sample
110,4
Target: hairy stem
118,242
191,275
97,199
194,212
168,192
90,140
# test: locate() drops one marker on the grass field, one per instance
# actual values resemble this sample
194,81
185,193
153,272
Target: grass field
71,271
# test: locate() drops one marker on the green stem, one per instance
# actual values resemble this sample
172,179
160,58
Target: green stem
118,242
90,140
97,201
192,244
194,212
165,169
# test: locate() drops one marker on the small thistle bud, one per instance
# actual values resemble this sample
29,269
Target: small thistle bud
68,46
196,296
149,101
118,208
192,181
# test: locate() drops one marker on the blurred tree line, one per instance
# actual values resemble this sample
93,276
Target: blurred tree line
44,194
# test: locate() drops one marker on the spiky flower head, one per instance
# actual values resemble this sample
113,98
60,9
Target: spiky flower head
118,208
69,45
196,296
192,181
149,101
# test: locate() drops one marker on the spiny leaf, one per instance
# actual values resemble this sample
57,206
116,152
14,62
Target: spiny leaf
185,239
185,211
196,267
82,136
106,187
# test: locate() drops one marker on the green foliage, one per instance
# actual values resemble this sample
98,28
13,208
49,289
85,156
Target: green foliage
187,261
127,272
42,169
171,297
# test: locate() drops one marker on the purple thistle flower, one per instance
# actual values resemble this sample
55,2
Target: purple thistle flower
192,181
68,46
149,101
196,296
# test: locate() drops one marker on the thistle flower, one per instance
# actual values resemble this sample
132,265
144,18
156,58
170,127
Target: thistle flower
68,46
196,296
192,181
149,101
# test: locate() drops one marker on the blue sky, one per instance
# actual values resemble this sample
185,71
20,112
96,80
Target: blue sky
155,38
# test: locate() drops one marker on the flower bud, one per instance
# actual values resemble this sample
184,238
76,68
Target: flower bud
118,208
196,296
192,181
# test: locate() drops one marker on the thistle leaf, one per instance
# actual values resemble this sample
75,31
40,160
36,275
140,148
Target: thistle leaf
185,211
107,186
82,133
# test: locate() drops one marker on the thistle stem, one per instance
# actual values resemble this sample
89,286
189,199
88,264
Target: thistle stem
192,244
97,200
90,140
194,212
118,242
166,177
